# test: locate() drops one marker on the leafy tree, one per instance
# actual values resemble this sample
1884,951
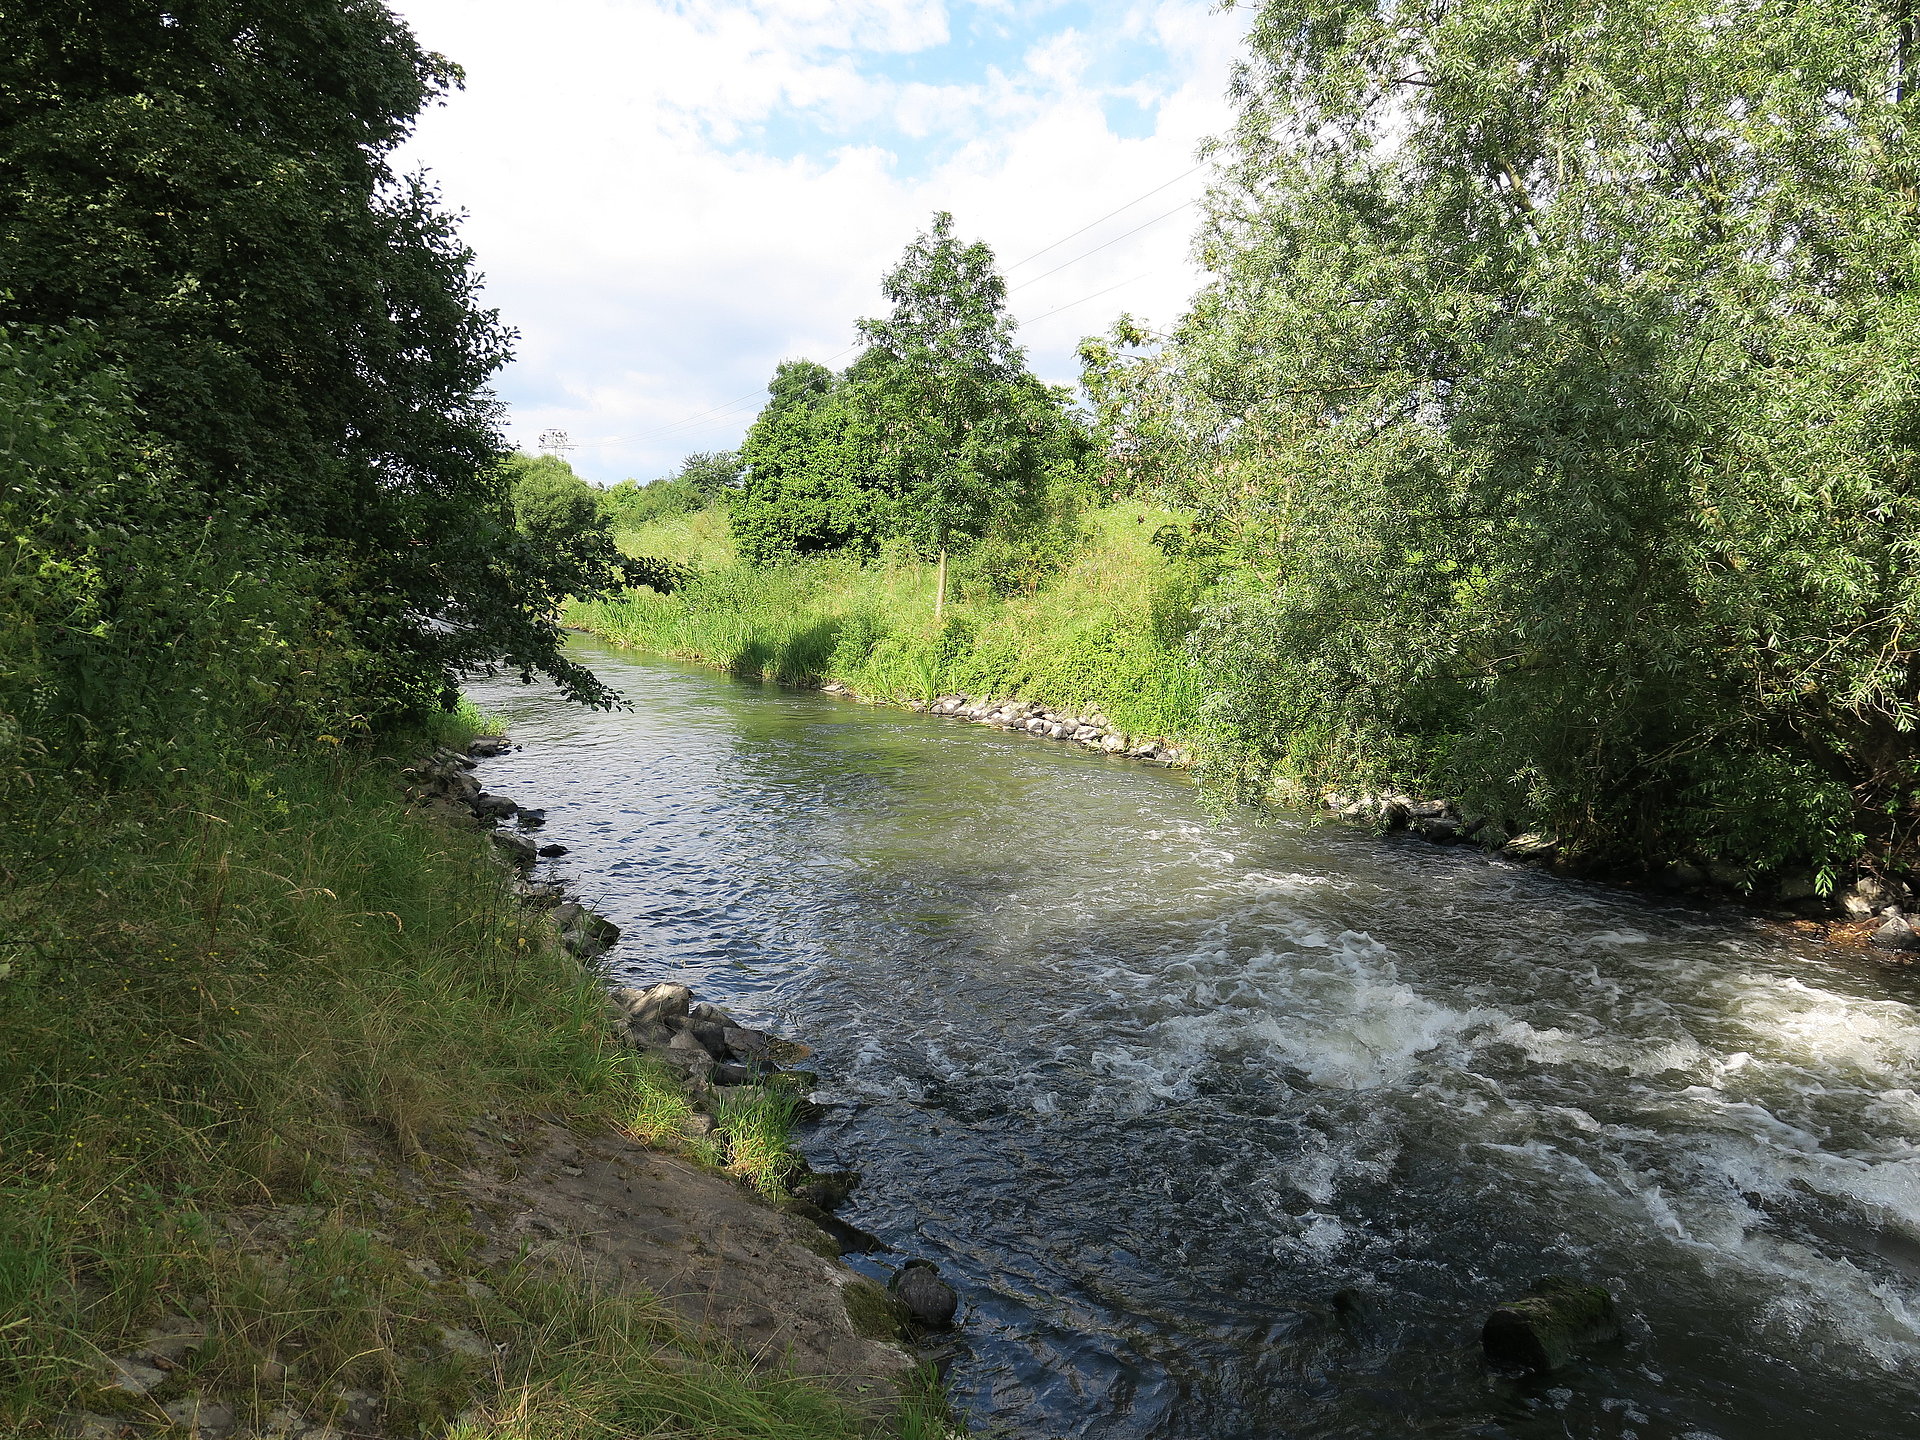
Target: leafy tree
969,432
1558,391
714,475
816,477
566,529
205,189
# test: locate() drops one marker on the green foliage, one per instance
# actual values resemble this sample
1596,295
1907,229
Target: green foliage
1089,640
204,196
1556,402
705,478
937,437
816,475
975,439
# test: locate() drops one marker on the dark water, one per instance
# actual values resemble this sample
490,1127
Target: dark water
1154,1092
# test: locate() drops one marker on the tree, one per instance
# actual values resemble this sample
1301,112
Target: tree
816,477
1558,390
205,191
963,424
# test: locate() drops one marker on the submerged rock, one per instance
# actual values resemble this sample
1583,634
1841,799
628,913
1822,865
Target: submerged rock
1541,1331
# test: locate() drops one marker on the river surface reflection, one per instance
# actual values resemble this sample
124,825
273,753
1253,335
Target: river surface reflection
1237,1131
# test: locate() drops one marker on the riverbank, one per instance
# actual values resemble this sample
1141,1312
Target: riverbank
311,1127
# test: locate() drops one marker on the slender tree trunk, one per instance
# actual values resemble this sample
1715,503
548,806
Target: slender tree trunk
940,584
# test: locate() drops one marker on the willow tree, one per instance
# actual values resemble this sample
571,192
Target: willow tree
1558,388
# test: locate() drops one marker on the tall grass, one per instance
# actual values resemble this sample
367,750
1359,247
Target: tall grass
1106,633
230,1013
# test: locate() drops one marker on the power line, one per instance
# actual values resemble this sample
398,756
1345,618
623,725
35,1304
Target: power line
1084,298
1106,217
726,406
1098,248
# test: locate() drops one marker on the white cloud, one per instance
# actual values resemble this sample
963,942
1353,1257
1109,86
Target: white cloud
668,197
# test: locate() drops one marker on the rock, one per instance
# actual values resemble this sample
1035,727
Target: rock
710,1013
1113,744
755,1043
848,1239
207,1418
1731,877
1682,876
539,897
488,746
732,1074
1531,846
1897,935
130,1376
85,1425
1541,1331
493,807
1437,828
928,1298
1797,885
172,1340
552,852
464,1342
1395,813
1873,894
359,1408
655,1005
517,848
828,1190
427,1270
531,819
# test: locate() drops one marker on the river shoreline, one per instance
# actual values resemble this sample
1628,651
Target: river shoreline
725,1097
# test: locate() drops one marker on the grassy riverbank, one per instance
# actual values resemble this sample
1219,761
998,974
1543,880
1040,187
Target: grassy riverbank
249,1029
1104,634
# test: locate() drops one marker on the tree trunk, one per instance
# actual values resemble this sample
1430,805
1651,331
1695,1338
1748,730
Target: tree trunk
940,584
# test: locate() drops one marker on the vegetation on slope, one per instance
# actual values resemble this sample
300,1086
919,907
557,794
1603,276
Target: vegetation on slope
1107,634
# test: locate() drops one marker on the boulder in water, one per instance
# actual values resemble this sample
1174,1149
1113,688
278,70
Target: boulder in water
1897,935
1542,1330
928,1298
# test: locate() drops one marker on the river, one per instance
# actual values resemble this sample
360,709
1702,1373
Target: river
1226,1130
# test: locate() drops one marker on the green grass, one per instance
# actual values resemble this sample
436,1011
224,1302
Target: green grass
233,1014
1106,633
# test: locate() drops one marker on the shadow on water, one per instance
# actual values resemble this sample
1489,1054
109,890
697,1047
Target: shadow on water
1237,1132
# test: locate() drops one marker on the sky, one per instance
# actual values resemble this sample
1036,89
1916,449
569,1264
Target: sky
669,197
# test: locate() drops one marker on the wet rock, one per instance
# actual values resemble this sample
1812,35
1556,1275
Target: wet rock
539,897
493,807
928,1298
1682,876
1730,877
516,848
552,852
488,746
1531,846
728,1073
1542,1330
711,1036
531,819
1873,895
1437,828
754,1043
830,1189
1897,936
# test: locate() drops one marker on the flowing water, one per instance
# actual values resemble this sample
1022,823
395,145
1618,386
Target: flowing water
1225,1130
